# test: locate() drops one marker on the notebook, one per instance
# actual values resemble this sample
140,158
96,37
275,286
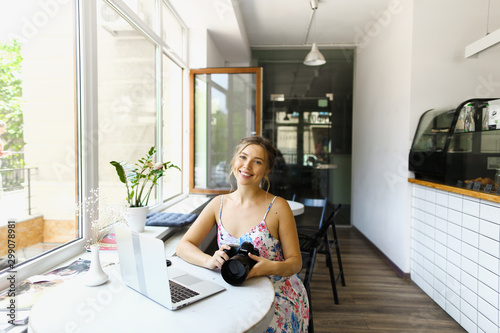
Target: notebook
143,267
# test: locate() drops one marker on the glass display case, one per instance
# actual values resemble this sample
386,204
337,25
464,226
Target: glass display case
459,146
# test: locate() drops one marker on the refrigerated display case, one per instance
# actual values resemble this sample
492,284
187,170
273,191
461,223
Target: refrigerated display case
458,146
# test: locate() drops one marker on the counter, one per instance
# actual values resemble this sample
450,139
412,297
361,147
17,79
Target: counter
457,190
455,252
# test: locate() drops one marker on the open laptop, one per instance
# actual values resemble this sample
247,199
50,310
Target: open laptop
143,267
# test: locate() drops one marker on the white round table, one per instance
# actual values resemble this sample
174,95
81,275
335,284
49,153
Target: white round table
297,207
114,307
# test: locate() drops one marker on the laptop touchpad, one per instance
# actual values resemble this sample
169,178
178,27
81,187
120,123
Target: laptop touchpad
187,279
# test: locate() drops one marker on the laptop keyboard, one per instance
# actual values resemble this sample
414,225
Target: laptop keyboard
180,293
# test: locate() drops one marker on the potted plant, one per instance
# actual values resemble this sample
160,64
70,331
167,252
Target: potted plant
140,179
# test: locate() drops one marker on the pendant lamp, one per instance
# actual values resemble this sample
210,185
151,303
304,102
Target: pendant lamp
314,58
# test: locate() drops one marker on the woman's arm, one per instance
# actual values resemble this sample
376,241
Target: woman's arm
188,247
287,234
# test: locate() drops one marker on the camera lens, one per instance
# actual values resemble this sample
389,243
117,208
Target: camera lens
235,270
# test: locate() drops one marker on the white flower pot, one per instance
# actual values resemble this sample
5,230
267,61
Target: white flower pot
136,218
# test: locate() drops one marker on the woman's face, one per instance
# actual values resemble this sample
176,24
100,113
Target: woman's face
250,166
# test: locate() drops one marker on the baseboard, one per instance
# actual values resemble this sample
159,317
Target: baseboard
398,270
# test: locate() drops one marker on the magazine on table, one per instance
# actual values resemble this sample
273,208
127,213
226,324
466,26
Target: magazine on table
28,291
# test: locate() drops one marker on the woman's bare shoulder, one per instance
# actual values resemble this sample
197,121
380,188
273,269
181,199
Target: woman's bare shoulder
280,207
281,203
215,202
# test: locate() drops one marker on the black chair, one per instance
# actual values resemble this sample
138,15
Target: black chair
313,203
314,240
335,242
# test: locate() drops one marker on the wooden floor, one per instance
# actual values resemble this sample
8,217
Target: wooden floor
375,298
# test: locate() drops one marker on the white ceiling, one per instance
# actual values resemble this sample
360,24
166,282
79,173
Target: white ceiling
277,29
285,22
238,25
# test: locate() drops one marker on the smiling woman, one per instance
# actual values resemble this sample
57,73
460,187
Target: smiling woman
237,217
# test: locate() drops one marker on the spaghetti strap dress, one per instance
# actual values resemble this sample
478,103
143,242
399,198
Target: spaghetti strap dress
291,305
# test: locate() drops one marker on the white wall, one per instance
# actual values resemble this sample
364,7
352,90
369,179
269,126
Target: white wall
440,75
414,62
203,52
214,57
380,131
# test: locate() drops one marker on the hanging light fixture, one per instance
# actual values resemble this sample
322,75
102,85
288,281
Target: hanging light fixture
314,57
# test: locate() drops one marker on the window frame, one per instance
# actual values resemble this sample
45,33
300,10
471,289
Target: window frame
86,123
258,115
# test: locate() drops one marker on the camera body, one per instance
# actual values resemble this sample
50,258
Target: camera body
235,269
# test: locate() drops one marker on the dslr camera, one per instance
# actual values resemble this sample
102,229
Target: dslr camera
236,268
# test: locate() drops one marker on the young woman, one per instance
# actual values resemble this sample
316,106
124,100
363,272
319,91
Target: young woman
252,214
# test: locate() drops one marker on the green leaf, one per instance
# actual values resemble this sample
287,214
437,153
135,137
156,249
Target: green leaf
120,171
151,151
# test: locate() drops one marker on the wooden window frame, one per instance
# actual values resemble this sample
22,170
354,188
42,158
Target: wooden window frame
258,114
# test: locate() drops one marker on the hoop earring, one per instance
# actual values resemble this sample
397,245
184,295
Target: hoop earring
266,179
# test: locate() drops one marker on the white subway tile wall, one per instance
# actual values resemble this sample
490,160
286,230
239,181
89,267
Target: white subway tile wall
455,255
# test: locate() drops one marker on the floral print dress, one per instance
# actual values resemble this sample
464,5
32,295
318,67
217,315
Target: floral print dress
291,305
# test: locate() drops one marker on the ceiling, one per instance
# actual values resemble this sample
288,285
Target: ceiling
270,23
280,34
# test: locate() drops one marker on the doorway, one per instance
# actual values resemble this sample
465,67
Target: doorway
307,114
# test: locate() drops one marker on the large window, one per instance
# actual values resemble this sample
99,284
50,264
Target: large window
139,94
82,83
126,96
37,102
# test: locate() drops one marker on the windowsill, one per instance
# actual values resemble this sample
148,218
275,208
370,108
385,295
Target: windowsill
187,205
170,236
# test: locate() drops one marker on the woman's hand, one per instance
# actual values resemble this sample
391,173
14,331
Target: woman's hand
218,258
262,266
